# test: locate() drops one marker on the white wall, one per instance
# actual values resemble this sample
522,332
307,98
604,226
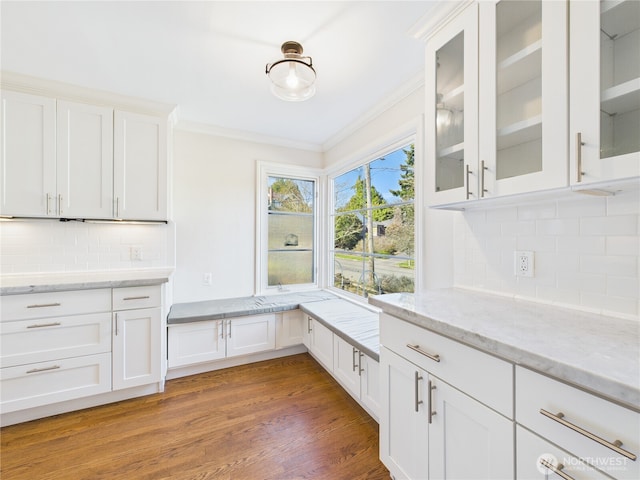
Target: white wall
587,251
49,246
214,203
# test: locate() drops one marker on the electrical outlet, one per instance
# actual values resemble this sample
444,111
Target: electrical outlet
135,253
207,279
523,264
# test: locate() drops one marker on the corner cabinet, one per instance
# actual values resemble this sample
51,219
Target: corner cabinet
496,120
605,90
64,159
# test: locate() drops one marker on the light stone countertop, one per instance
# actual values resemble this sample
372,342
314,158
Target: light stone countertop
64,281
241,306
598,353
354,323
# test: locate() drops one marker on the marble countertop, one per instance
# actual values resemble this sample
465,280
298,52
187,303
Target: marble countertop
594,352
58,282
356,324
241,306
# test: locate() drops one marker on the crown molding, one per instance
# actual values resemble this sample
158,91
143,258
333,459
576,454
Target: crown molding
65,91
398,95
437,17
195,127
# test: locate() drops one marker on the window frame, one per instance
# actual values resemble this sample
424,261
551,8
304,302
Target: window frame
266,170
407,136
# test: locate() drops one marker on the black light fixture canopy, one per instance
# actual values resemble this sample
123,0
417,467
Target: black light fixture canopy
292,78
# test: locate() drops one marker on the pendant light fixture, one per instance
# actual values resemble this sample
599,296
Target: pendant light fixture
292,78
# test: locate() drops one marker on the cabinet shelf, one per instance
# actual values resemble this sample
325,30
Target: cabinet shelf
621,98
520,132
454,98
520,67
619,17
454,152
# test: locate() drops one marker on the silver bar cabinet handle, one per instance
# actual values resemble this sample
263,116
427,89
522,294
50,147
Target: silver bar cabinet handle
116,322
467,172
579,145
482,170
416,348
143,297
60,204
360,369
48,204
353,359
430,413
309,325
615,445
417,379
42,325
221,327
45,369
44,305
556,469
229,329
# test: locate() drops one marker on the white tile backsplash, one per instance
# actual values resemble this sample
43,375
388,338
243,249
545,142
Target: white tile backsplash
45,246
587,252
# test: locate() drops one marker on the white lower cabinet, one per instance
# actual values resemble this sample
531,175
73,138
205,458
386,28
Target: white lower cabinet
62,346
536,458
38,384
199,342
358,373
438,419
319,340
603,434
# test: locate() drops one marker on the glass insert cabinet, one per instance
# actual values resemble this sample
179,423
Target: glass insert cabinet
531,95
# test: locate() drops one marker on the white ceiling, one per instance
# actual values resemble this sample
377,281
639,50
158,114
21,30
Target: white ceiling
209,57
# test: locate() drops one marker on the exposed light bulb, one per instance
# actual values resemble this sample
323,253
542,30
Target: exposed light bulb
292,78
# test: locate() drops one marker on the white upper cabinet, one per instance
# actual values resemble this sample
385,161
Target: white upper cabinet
605,90
27,155
140,166
81,160
452,110
84,160
496,101
523,90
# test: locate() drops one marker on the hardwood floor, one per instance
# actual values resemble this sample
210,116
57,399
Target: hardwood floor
282,419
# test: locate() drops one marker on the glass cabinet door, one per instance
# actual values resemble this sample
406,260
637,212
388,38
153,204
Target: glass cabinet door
452,106
605,90
523,92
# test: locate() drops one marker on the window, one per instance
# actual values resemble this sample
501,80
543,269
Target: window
373,226
287,254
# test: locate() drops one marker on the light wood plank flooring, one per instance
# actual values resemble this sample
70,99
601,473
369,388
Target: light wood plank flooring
276,420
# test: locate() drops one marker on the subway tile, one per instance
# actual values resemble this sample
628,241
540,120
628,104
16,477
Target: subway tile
567,226
527,227
537,243
617,265
501,215
536,211
582,206
623,245
627,287
582,282
620,305
581,244
612,225
624,203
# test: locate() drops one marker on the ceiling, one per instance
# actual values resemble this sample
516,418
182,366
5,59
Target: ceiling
209,57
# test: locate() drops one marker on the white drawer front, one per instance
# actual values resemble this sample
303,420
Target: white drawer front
606,420
484,377
533,451
136,297
40,340
52,304
39,384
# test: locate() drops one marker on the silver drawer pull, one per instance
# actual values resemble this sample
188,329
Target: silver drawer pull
556,469
43,305
416,390
416,348
143,297
615,446
42,325
45,369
